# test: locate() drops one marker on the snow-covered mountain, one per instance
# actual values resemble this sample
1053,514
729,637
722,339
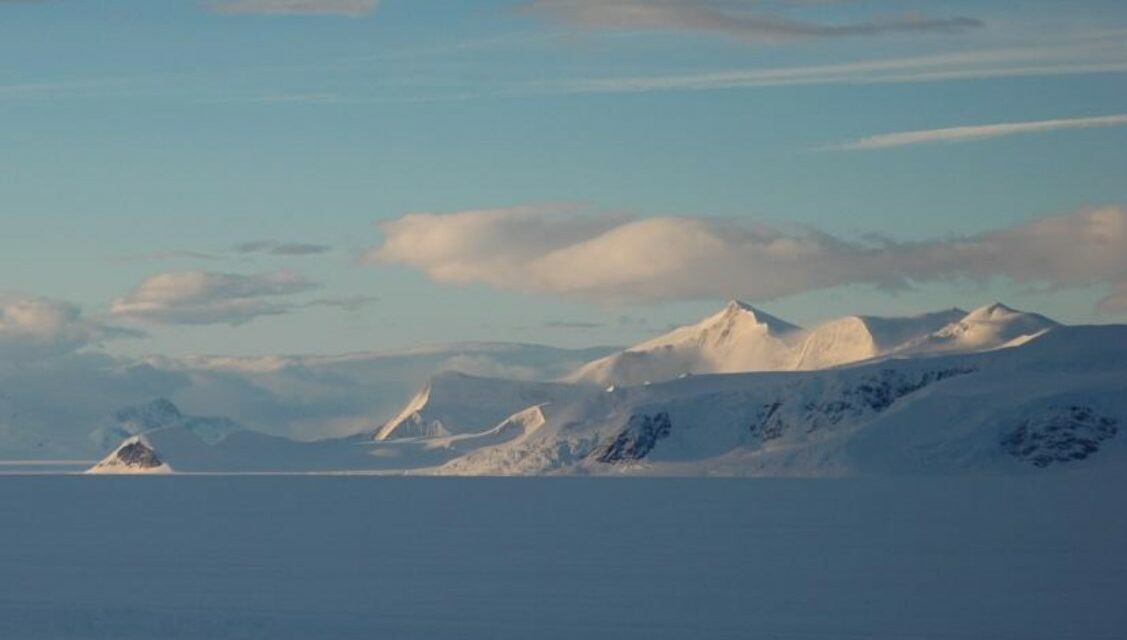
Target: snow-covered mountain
994,390
1053,401
738,338
452,403
741,338
68,407
160,413
991,327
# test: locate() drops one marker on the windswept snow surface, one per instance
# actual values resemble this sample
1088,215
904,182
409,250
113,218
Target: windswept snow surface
226,557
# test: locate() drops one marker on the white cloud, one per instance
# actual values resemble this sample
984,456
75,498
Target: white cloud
741,20
353,8
979,132
570,253
202,297
32,326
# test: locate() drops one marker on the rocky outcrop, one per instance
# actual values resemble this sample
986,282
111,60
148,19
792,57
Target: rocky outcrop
633,443
1062,434
871,395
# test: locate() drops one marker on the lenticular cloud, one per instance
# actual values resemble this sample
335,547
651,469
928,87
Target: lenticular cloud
567,251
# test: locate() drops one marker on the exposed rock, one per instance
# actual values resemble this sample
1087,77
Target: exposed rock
137,454
640,436
873,394
1064,434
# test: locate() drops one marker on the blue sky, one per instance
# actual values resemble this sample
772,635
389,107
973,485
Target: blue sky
142,138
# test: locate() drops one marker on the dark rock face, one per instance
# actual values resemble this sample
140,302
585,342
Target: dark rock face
1064,434
636,441
136,454
872,394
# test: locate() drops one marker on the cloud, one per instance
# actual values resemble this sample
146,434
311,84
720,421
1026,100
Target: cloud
734,19
1116,301
282,249
164,256
572,324
613,258
346,303
1070,55
202,297
32,326
978,132
351,8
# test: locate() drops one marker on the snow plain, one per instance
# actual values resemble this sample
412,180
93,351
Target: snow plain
171,557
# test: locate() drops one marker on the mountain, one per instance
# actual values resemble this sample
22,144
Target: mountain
990,327
1051,402
738,338
452,403
741,338
995,390
135,455
1053,399
162,413
67,407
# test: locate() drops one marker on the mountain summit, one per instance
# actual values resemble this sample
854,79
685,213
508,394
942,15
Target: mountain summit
737,338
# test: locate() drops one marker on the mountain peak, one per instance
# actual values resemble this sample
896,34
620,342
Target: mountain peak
737,311
993,310
998,312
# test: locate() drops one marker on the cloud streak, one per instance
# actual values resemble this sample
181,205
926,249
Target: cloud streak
203,297
1082,54
282,248
615,258
348,8
978,132
739,20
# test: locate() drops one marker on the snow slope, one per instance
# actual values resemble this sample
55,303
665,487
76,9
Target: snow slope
857,338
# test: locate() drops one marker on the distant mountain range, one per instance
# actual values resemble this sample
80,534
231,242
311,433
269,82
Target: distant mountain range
741,392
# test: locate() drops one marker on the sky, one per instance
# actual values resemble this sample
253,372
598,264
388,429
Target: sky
322,176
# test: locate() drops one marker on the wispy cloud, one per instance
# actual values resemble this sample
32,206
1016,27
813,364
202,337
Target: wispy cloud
351,8
282,248
263,247
203,297
165,256
588,256
572,324
347,303
1101,53
978,132
740,19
